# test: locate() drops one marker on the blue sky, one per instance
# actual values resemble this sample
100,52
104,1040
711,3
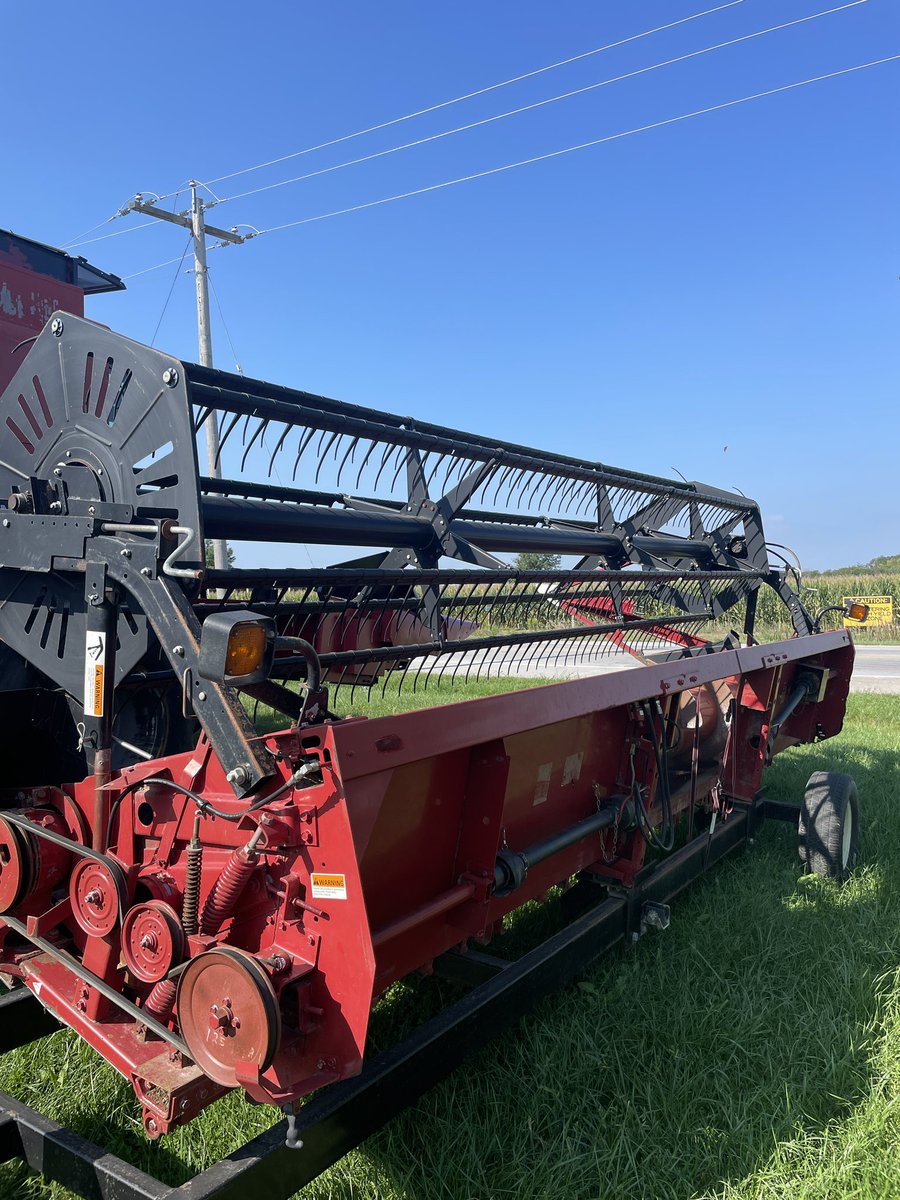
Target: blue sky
727,281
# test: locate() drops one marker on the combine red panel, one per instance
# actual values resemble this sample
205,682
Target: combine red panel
26,302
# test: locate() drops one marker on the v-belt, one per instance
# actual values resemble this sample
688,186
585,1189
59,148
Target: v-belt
115,871
72,964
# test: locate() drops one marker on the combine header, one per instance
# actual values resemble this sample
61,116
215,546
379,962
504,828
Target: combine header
210,876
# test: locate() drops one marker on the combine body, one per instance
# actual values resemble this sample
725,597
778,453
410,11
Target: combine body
207,874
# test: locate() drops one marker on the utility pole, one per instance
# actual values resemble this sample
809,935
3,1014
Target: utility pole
194,222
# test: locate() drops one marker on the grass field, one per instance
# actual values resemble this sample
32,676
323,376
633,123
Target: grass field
753,1050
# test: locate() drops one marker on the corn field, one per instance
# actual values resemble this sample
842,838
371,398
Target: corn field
823,591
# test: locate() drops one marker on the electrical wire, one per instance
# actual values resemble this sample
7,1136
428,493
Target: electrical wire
82,239
202,803
591,87
237,365
665,842
77,241
434,187
171,290
155,267
116,233
524,162
493,87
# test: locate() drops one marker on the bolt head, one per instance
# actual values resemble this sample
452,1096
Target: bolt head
170,376
178,651
6,523
201,695
56,326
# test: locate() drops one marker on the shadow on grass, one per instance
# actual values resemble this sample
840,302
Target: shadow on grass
670,1070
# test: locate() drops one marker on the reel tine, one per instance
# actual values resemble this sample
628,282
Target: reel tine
323,454
354,442
402,460
439,460
500,479
260,433
278,445
362,465
305,439
556,486
200,417
388,451
225,434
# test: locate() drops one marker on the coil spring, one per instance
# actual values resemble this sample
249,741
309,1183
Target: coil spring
223,897
161,1000
191,903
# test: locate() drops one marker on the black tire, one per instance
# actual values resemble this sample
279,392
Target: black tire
829,825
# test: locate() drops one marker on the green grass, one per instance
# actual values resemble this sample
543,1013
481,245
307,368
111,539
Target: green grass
752,1051
398,695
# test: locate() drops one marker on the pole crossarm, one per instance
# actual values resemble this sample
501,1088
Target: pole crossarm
185,221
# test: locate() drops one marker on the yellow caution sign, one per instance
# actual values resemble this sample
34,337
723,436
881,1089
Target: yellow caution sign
328,885
881,611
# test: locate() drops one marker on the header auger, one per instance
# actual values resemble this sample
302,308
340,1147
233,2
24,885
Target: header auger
214,903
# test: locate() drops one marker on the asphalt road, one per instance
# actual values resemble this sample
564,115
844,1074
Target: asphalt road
877,669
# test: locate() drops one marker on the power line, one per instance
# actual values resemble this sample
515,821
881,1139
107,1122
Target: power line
171,290
76,241
421,112
155,267
434,187
237,365
121,212
524,162
550,100
116,233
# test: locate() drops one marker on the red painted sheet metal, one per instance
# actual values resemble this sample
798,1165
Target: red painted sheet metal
433,795
366,747
26,303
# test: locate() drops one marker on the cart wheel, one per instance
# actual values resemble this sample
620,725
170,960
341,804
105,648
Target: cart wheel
829,825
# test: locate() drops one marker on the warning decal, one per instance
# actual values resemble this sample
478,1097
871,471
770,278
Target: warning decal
542,787
328,886
881,611
94,669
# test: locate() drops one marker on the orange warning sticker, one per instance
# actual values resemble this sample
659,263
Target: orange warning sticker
94,671
328,885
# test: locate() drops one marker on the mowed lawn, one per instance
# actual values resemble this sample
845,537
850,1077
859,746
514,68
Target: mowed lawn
752,1050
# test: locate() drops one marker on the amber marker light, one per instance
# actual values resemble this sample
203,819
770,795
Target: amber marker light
858,612
237,648
246,649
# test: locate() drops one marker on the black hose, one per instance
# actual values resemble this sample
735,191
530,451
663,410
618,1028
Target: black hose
202,803
309,656
648,833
